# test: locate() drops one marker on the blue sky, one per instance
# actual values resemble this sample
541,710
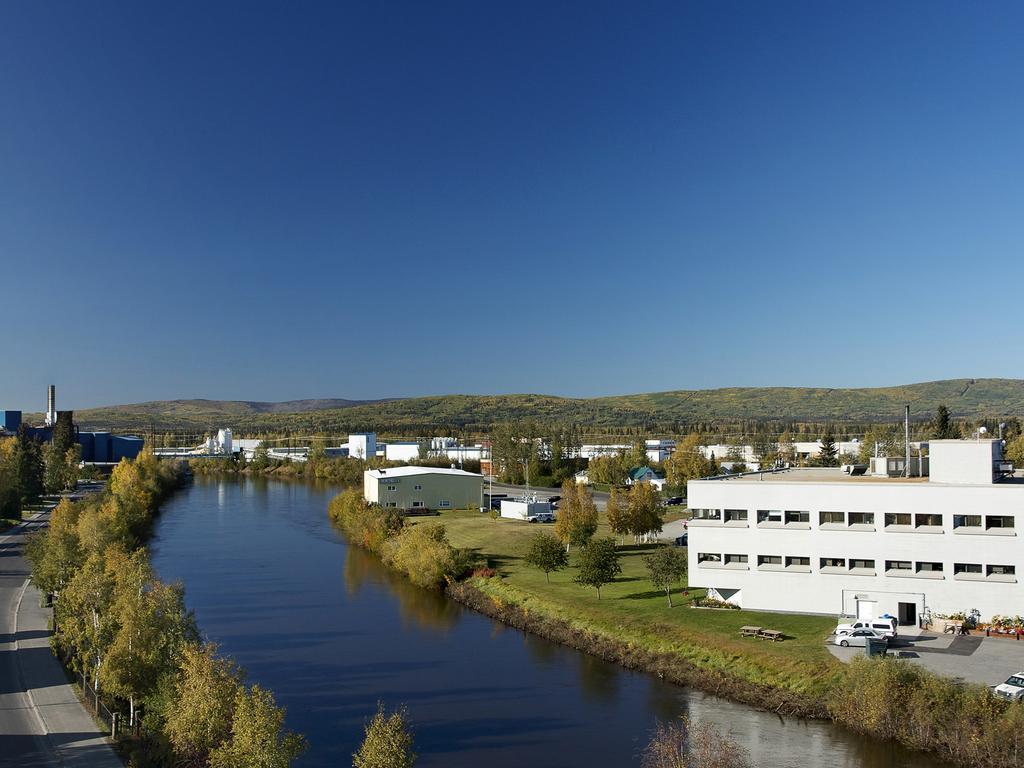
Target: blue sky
272,201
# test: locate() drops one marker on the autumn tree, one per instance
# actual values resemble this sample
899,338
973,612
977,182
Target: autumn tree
387,742
617,512
885,439
55,552
87,623
643,511
152,626
577,515
200,715
686,743
546,553
687,463
261,457
666,567
258,737
1015,451
598,564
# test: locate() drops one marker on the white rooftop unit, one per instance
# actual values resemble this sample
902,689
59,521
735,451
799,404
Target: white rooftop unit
971,462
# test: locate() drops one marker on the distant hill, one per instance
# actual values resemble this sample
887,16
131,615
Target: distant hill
966,398
200,413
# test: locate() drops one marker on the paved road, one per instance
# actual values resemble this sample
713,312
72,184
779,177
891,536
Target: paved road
42,722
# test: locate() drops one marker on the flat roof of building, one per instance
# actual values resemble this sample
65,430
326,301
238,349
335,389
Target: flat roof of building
836,475
812,475
383,474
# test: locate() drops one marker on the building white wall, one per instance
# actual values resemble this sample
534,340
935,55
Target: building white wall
362,445
401,451
817,590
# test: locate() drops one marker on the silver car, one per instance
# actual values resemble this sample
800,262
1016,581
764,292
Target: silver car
858,638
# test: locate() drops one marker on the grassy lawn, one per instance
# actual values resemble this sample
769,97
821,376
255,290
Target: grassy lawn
631,609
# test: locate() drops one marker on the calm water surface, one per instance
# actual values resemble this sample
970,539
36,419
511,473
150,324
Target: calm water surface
331,633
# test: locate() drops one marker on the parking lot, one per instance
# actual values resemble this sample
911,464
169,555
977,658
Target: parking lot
972,658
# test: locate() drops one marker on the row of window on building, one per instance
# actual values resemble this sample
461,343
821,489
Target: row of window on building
802,518
857,566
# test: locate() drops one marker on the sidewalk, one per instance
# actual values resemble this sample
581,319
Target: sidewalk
71,737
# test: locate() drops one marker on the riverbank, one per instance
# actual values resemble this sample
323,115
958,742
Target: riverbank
632,621
132,642
633,626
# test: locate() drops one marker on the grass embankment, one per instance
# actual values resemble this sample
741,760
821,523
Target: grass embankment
633,612
632,625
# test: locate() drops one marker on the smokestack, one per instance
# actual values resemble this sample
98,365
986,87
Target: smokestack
51,405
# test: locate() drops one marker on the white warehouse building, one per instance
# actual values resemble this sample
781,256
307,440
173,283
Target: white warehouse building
818,540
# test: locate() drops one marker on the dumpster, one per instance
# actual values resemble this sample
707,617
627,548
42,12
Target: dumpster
875,646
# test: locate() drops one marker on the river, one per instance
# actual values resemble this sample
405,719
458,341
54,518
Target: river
331,632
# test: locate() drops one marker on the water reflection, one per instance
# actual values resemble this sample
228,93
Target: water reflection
422,608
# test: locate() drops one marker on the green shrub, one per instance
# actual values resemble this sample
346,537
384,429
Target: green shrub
422,553
895,699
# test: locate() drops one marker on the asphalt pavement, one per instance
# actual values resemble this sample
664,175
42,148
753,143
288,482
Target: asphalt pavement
42,721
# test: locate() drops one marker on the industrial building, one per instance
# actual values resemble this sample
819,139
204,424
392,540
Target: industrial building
821,540
401,451
97,447
423,488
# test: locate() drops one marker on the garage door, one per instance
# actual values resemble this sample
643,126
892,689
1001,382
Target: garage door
866,609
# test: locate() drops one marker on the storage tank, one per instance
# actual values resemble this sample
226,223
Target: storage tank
224,439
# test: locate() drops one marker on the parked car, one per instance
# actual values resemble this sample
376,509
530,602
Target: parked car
674,501
681,541
881,625
554,499
543,517
858,638
1012,689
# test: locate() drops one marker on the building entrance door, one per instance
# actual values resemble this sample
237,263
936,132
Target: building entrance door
866,609
907,614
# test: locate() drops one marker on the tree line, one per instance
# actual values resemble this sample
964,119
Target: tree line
29,467
131,636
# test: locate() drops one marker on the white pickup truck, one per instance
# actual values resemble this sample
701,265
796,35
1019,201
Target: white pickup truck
1012,689
884,627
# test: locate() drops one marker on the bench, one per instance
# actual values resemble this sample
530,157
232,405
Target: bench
770,634
750,631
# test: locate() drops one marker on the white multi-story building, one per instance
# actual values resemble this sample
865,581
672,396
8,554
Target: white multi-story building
818,540
803,451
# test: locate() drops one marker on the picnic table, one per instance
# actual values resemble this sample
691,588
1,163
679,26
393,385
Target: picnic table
770,634
750,631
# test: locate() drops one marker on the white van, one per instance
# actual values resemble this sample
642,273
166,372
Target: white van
883,626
